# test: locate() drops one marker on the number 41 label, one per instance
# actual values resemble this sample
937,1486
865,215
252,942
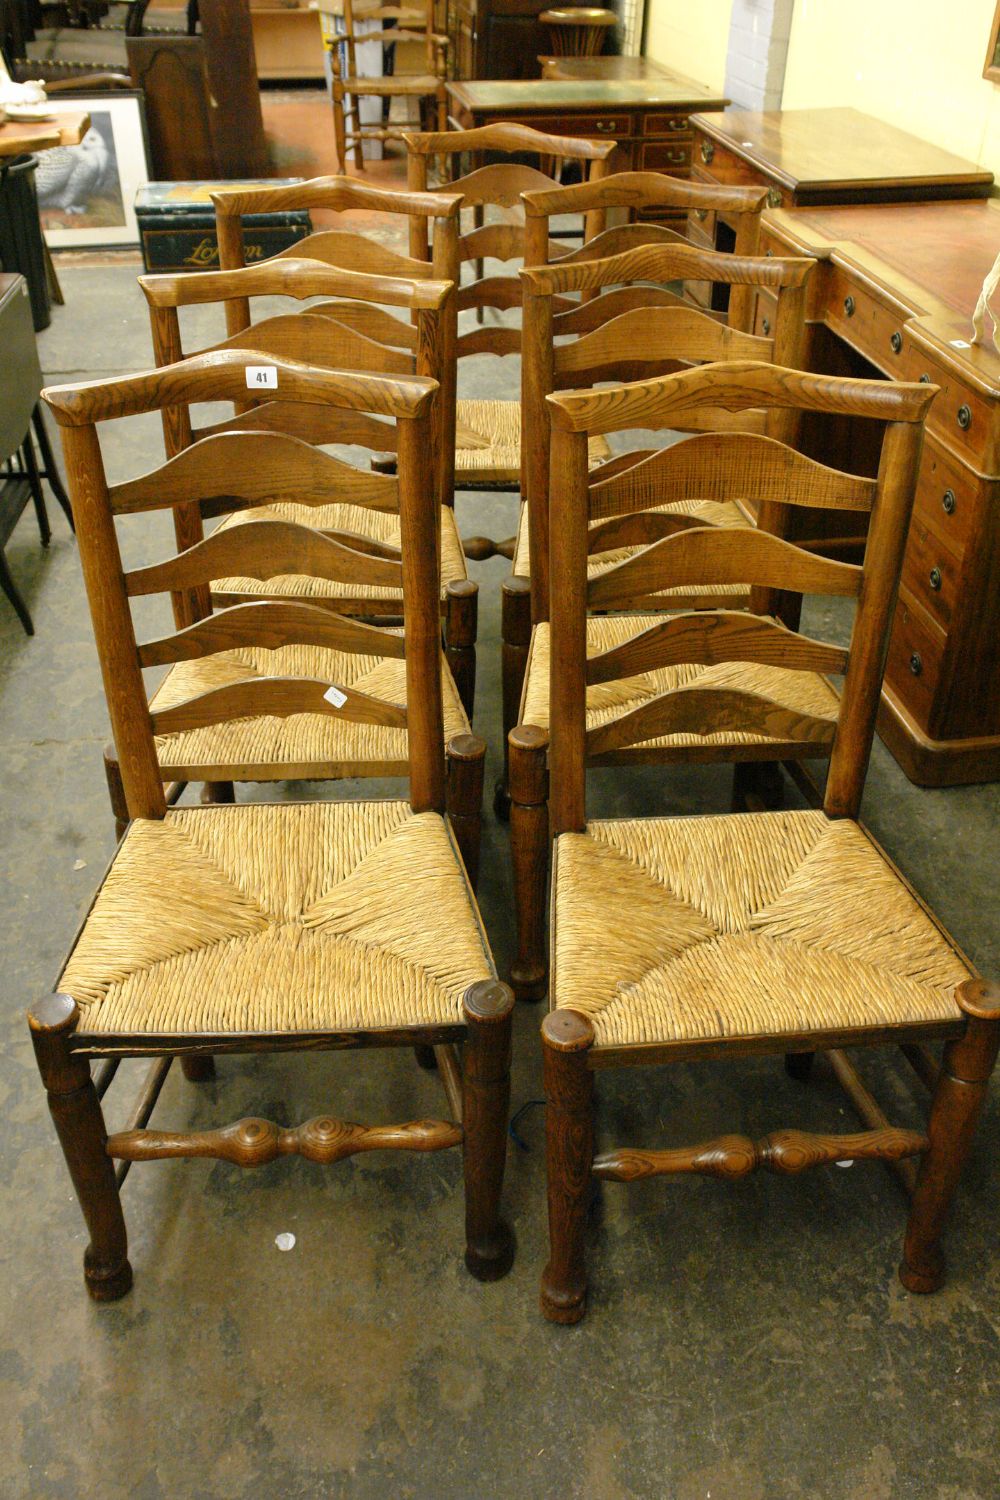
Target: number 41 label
262,377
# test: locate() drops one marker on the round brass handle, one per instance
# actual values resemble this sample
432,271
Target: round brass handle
916,664
707,151
676,156
774,198
935,579
948,502
964,418
896,342
701,214
604,127
766,325
677,123
849,306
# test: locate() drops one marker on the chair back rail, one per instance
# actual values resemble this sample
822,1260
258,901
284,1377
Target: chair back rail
263,548
641,341
321,340
313,424
700,555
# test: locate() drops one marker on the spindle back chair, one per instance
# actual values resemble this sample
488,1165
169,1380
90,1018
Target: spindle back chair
413,22
775,932
494,462
278,926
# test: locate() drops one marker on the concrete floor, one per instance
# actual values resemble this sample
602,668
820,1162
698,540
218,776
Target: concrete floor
744,1342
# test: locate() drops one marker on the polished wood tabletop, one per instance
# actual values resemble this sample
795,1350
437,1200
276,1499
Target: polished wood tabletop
602,69
535,96
831,150
67,128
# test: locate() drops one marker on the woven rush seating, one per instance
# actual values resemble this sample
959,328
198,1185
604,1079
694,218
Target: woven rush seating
314,746
267,918
704,928
374,526
496,458
801,692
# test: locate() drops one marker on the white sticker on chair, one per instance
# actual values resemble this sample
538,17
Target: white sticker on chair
262,377
335,696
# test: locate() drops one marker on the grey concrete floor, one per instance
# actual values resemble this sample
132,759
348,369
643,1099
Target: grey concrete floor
745,1342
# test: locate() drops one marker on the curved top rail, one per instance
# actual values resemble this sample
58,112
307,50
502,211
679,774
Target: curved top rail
286,277
506,136
223,376
668,263
737,385
337,193
641,190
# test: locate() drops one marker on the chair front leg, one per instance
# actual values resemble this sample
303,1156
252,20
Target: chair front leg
489,1242
529,853
569,1154
79,1122
116,791
958,1100
461,623
515,636
466,769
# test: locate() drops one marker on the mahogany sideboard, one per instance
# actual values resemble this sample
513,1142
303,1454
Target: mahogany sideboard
649,118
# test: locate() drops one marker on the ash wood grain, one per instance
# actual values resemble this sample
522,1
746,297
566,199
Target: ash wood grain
588,315
320,340
255,1142
644,190
312,424
506,137
271,624
732,555
709,637
293,277
648,333
371,321
339,194
666,263
735,1156
263,550
706,711
277,697
254,468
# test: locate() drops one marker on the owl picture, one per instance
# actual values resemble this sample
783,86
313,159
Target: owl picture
79,185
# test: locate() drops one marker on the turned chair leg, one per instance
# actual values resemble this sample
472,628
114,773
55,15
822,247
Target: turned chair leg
529,853
220,793
466,771
461,620
79,1123
116,791
489,1242
515,635
958,1100
339,129
569,1154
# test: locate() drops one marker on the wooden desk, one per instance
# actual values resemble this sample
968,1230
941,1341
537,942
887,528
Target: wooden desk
828,156
18,136
893,295
649,118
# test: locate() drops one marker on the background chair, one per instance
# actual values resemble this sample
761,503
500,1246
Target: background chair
410,23
265,927
778,932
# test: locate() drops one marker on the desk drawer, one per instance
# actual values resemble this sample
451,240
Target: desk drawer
665,156
723,166
931,572
701,227
764,315
612,125
916,652
967,423
668,125
950,497
873,327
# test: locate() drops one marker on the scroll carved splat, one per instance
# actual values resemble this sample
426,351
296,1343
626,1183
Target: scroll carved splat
787,1151
254,1142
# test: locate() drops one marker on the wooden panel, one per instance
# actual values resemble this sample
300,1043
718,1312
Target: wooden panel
172,73
665,156
234,98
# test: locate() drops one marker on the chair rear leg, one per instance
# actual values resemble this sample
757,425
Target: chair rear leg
461,624
569,1154
220,792
515,635
955,1109
79,1123
466,770
529,852
489,1241
116,791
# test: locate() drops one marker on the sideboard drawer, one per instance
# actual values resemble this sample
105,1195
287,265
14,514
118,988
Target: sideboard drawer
724,166
616,127
873,327
667,125
949,496
931,572
916,651
665,156
964,419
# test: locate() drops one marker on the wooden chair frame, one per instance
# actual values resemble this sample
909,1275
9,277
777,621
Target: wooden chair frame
413,22
570,1054
646,329
478,1089
497,185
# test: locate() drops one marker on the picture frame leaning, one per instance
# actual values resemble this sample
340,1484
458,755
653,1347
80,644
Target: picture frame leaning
86,193
991,67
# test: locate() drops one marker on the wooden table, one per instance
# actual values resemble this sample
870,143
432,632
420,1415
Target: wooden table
18,136
893,295
649,118
828,156
601,69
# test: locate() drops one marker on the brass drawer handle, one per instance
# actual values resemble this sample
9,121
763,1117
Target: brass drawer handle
964,418
948,502
849,306
896,342
916,664
774,198
707,151
766,326
935,579
701,214
605,127
677,156
679,122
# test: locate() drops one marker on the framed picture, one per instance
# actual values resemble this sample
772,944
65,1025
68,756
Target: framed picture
86,193
991,68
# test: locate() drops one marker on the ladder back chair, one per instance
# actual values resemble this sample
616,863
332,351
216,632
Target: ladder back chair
413,22
776,932
488,455
626,332
267,926
319,334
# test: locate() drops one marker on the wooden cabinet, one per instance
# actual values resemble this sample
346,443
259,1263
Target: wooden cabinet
497,38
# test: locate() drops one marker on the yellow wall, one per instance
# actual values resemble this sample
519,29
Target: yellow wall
690,36
915,63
